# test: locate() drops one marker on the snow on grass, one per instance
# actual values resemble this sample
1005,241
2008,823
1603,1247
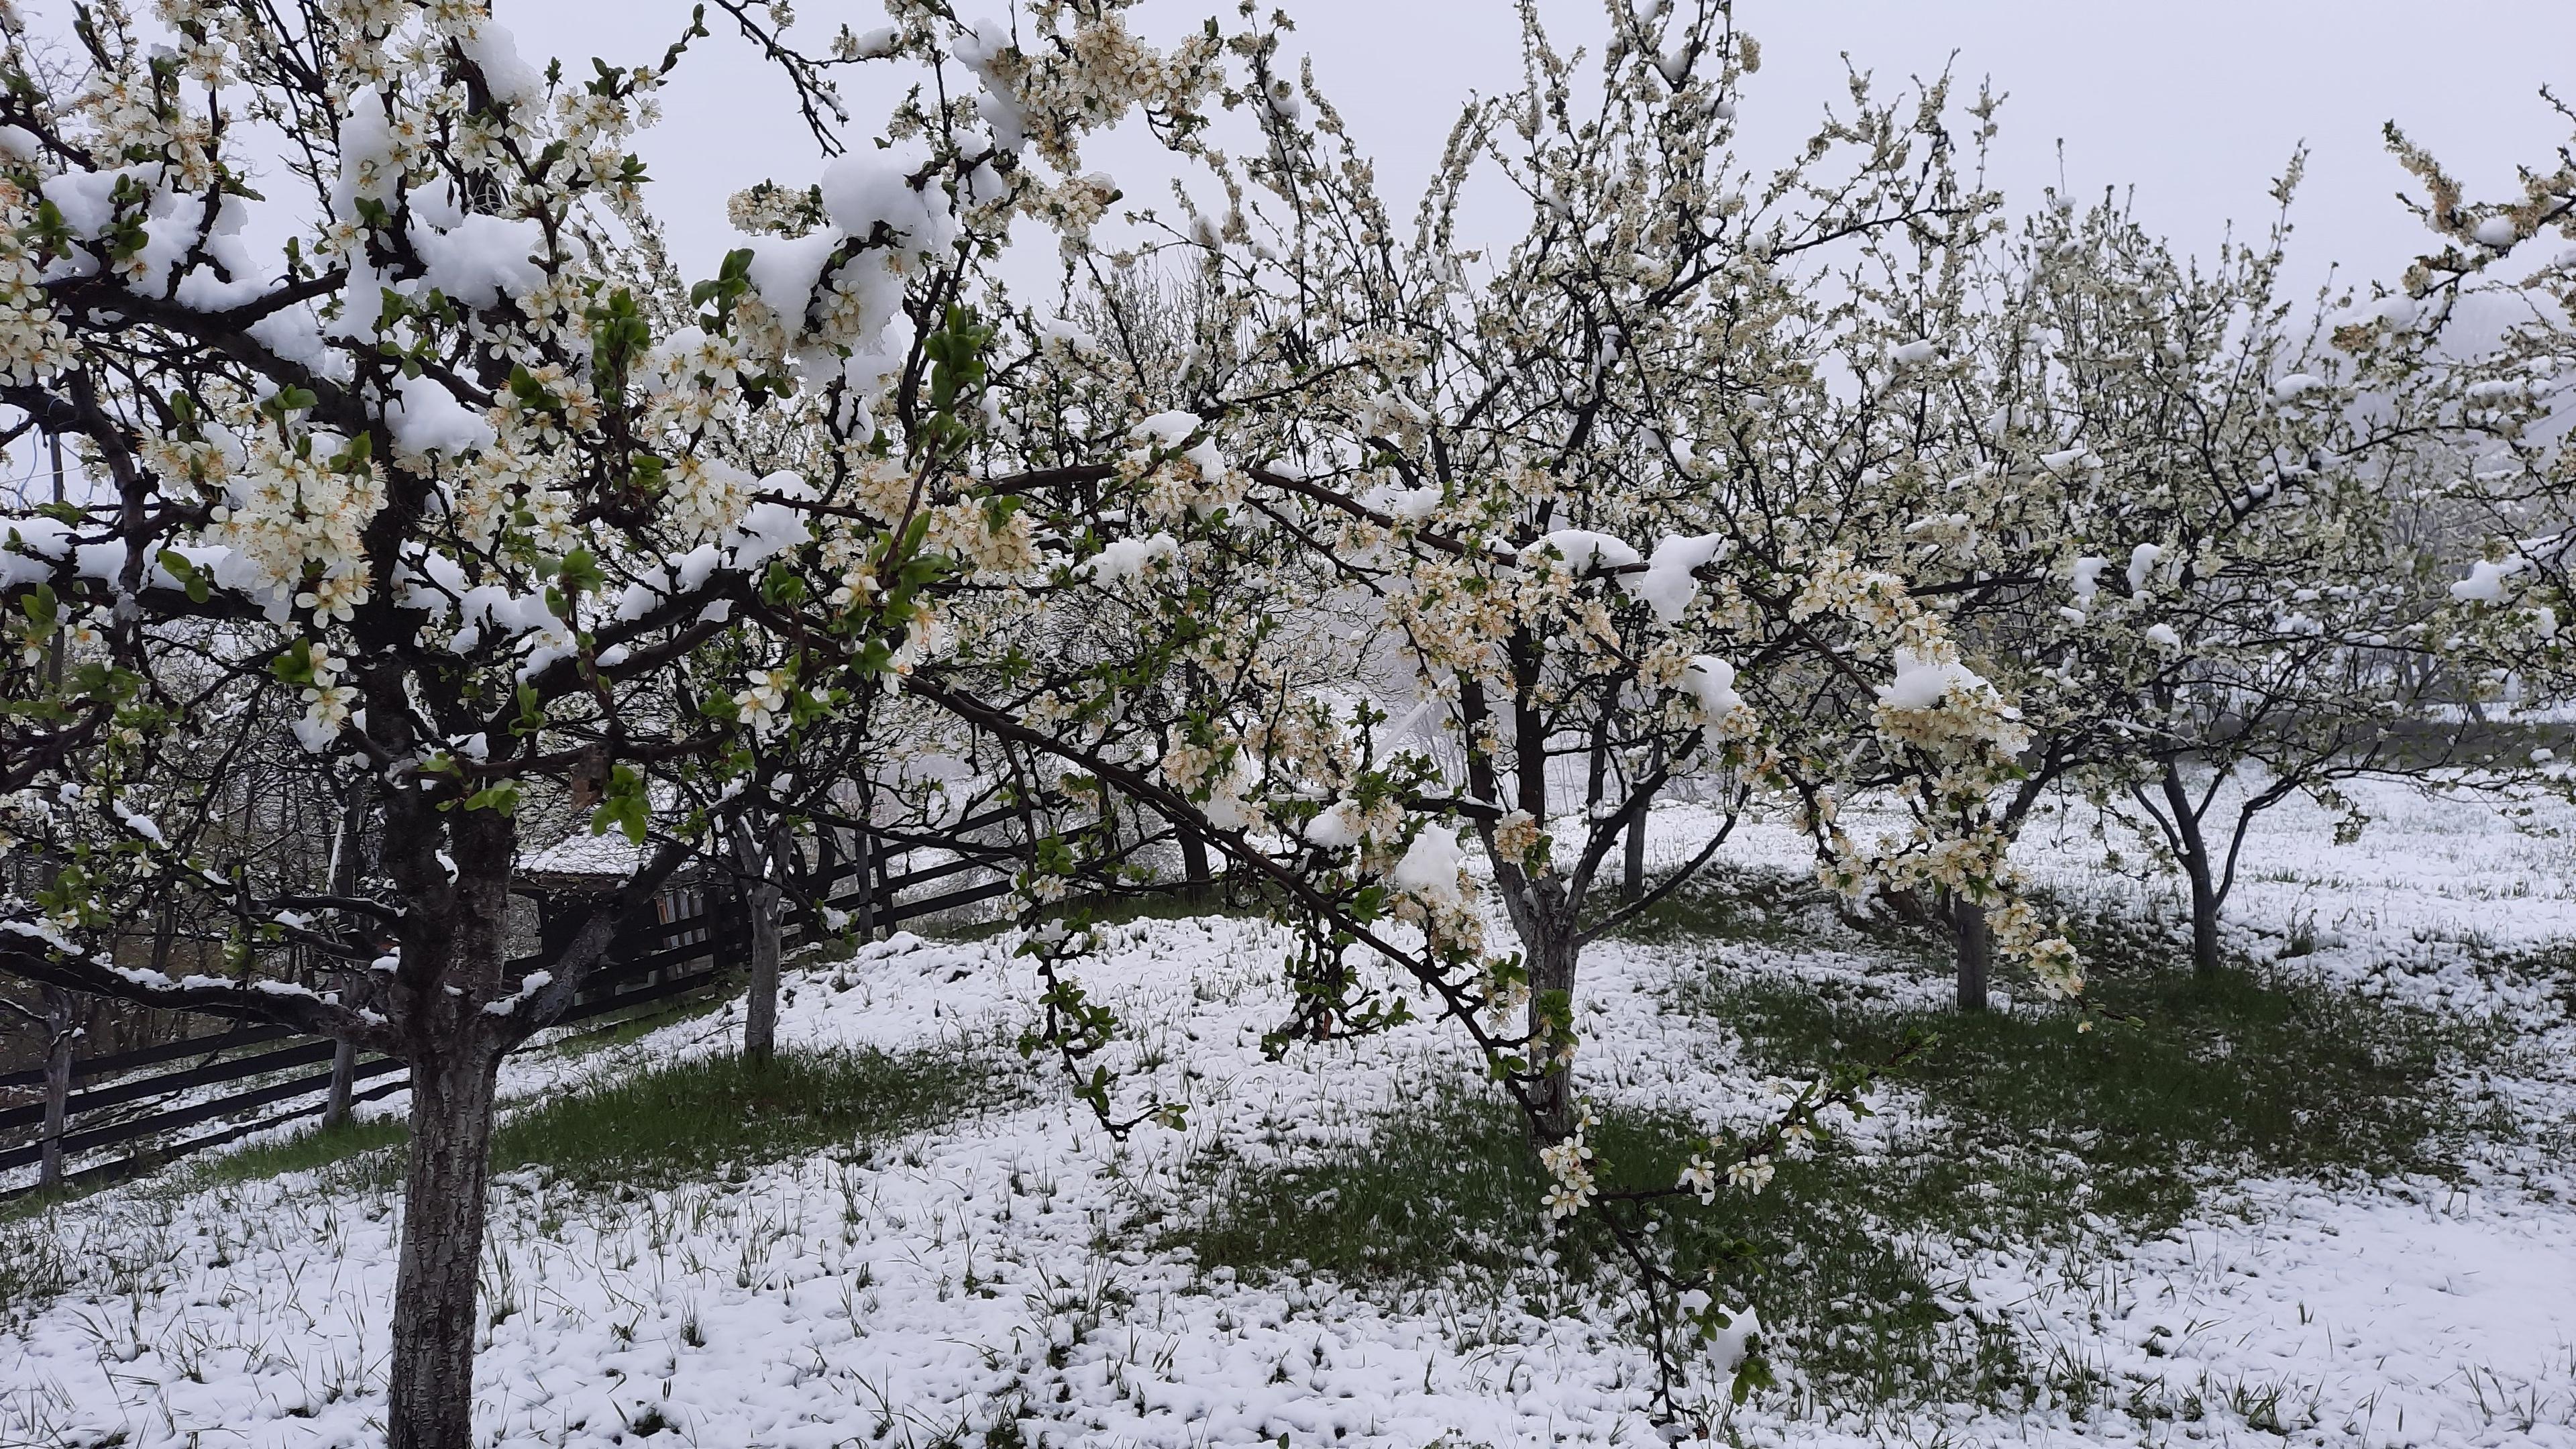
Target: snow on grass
997,1270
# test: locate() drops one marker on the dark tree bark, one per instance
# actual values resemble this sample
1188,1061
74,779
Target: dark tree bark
2206,954
1551,1007
871,872
1975,950
1197,875
455,946
1632,880
58,1085
432,1400
1632,877
344,883
2197,867
1547,927
760,905
344,1080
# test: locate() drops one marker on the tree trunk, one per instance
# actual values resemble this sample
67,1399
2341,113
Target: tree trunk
432,1399
1197,875
760,1009
344,882
759,896
1632,884
58,1085
2204,915
1632,880
1551,1014
870,878
1976,952
2195,866
344,1079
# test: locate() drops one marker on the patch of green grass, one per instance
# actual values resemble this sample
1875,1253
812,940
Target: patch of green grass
682,1121
34,1265
626,1031
1447,1195
30,1205
669,1123
1146,903
1727,903
2041,1136
2181,1079
353,1151
1450,1189
1776,908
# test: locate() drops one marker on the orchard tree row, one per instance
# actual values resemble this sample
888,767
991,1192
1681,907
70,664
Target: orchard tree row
409,479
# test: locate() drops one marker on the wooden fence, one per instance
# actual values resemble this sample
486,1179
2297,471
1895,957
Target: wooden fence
693,945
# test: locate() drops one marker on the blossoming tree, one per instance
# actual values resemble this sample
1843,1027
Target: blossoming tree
415,460
1589,495
2508,267
384,456
2171,512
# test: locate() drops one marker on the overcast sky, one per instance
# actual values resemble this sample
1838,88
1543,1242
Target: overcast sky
2195,103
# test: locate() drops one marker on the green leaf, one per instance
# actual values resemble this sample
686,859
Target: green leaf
623,806
503,797
190,577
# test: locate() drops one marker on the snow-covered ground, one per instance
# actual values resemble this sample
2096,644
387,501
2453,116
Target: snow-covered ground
1004,1266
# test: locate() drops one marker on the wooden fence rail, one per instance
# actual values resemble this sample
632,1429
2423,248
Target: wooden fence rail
650,961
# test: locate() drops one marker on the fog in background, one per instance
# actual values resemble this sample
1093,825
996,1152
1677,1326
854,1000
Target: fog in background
2192,107
2197,104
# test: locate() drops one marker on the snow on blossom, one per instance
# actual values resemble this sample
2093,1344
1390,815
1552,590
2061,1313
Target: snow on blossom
1170,429
768,529
2497,232
86,199
785,270
1126,558
2086,579
425,418
1430,866
1412,504
985,50
369,167
429,581
495,52
1583,550
480,260
691,570
1711,681
1923,681
874,186
1335,828
2485,583
1671,577
2142,562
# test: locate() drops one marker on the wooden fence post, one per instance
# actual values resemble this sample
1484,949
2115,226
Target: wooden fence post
58,1002
870,873
344,1080
58,1084
344,882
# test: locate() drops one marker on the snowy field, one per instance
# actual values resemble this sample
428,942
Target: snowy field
1010,1276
